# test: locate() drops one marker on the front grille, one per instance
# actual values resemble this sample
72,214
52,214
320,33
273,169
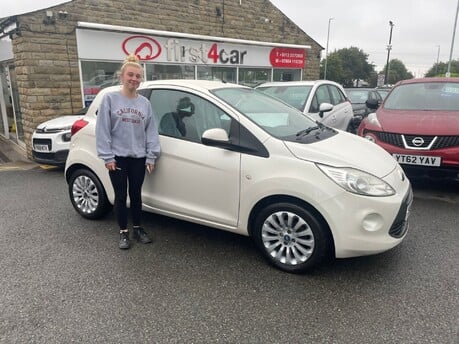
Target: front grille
400,224
439,142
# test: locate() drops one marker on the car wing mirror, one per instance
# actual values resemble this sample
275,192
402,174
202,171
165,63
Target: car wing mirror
215,137
324,107
372,104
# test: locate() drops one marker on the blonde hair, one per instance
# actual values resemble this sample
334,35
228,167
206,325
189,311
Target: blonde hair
131,60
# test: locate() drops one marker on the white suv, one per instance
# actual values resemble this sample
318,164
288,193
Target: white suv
51,139
250,164
325,101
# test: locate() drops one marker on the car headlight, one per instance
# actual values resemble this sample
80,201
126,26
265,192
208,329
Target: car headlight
373,119
358,182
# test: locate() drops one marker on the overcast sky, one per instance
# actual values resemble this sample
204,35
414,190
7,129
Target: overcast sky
421,26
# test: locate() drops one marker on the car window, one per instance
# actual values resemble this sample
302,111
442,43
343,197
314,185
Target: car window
276,118
337,97
296,96
442,96
357,96
321,96
186,116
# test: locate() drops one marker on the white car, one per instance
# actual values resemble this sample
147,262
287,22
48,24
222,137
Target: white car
51,139
252,165
325,101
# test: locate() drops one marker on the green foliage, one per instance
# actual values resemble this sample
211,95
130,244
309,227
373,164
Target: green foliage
347,65
441,68
397,71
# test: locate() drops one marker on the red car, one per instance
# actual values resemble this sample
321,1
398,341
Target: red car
418,123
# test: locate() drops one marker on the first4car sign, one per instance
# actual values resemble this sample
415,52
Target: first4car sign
160,48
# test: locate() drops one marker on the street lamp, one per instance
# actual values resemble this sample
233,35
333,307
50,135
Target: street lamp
438,57
326,49
389,47
448,73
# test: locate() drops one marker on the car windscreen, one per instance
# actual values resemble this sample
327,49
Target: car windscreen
276,118
438,96
296,96
357,96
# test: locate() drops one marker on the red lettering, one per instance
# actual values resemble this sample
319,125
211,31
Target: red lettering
213,53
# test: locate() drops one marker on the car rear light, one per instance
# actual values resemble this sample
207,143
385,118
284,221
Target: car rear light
79,124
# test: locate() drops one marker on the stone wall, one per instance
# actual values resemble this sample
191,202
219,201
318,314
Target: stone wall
46,56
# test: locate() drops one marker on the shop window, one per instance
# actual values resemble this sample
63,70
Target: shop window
162,72
98,75
254,77
217,73
287,75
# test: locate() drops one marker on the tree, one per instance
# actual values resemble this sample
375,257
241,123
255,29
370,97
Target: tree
441,68
397,72
347,66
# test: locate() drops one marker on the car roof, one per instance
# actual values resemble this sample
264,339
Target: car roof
421,80
203,85
298,83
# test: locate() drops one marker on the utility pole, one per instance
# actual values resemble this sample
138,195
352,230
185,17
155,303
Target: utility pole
389,47
326,49
448,73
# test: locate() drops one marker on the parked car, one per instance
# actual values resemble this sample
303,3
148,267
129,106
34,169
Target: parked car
325,101
383,91
253,165
51,139
418,123
358,98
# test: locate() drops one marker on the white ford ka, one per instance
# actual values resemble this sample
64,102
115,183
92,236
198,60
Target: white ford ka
244,162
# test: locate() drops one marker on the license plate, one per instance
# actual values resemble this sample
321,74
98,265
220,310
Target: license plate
41,148
420,160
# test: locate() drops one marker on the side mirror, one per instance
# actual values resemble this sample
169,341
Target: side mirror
372,104
215,137
324,107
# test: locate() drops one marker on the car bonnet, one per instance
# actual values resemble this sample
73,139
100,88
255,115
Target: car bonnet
346,150
425,122
59,122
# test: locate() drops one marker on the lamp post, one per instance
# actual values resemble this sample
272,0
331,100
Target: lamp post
438,57
326,49
389,47
448,73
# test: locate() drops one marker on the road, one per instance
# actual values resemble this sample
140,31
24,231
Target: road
64,280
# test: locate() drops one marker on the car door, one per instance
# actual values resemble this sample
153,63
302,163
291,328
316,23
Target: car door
342,108
191,180
321,95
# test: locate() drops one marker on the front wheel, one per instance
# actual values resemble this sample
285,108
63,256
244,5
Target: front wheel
87,195
291,237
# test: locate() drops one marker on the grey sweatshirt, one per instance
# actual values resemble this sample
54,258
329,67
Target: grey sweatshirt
126,127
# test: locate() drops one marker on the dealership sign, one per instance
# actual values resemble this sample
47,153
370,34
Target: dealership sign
163,49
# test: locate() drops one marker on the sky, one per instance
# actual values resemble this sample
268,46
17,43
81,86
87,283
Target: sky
422,31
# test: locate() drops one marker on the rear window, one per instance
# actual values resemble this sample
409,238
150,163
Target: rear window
295,96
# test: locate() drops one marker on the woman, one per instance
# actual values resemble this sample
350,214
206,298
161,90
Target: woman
127,141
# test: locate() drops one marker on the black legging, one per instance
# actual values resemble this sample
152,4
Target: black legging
132,171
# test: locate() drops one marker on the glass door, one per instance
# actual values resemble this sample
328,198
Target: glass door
16,128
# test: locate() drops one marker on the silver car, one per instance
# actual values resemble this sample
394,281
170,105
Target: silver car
325,101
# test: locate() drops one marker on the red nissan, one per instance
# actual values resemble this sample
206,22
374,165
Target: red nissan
418,123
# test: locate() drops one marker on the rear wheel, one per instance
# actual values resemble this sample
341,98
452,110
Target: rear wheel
88,195
291,237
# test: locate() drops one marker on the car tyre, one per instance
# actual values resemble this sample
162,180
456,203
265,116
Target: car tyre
87,195
291,237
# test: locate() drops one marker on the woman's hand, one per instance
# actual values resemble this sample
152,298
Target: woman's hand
111,166
150,168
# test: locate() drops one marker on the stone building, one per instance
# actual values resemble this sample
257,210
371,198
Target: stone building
53,61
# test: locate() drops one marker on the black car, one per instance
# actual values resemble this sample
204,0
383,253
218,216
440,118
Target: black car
358,98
